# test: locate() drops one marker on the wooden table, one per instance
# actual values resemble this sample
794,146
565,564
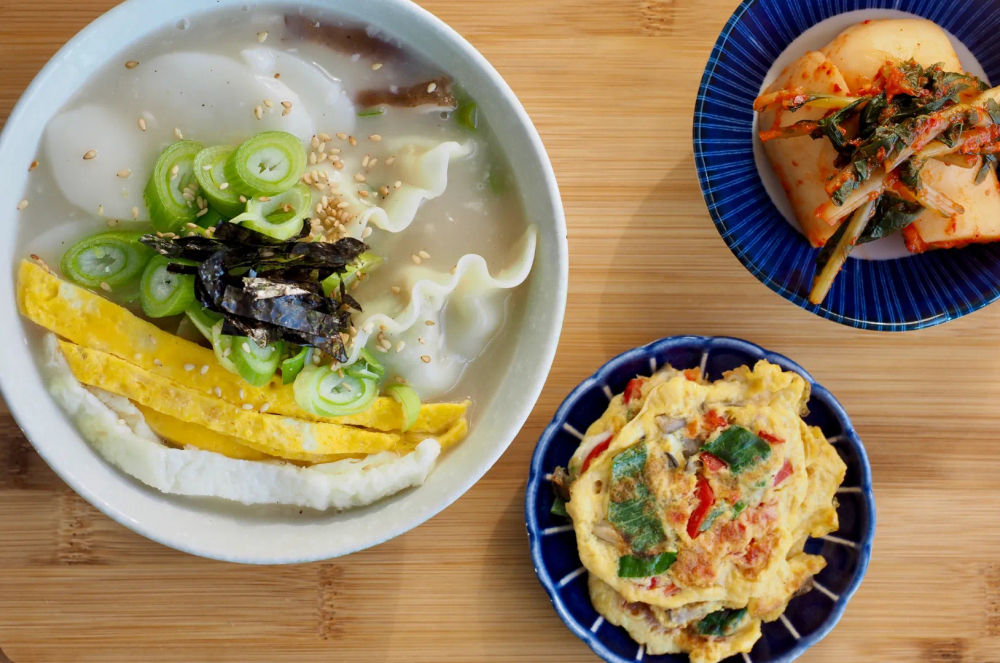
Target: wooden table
611,86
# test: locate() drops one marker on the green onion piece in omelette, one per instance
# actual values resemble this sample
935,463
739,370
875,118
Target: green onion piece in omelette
266,164
721,622
559,507
114,258
171,191
630,566
407,398
739,448
164,293
209,170
632,508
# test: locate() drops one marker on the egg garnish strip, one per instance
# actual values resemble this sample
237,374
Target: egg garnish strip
689,493
272,434
92,321
182,434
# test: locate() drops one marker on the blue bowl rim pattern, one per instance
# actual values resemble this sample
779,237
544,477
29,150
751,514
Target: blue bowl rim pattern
964,298
537,478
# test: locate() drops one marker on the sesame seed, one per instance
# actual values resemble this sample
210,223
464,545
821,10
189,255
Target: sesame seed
366,161
243,198
312,159
34,164
189,367
339,165
431,87
423,254
142,123
287,105
352,140
135,213
324,137
397,184
245,346
217,391
396,289
242,394
342,204
131,64
124,173
177,134
247,406
202,212
363,193
258,112
341,135
265,407
90,154
375,138
366,232
175,171
269,103
285,111
227,351
223,186
261,36
105,287
111,223
204,369
100,210
359,177
264,199
277,75
391,160
384,190
376,66
21,205
400,346
425,358
157,362
429,323
416,259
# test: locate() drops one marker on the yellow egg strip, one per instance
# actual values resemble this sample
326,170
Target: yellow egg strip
92,321
447,439
269,433
183,433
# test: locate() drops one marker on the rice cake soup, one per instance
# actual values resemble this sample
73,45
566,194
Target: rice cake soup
287,249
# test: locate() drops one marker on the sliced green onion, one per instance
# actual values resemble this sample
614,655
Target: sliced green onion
408,400
222,344
371,112
630,566
267,164
162,292
366,366
331,393
209,170
256,364
112,258
210,218
467,114
169,207
357,270
280,216
203,320
739,448
293,365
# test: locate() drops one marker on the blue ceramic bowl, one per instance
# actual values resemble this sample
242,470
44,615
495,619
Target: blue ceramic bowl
553,543
889,295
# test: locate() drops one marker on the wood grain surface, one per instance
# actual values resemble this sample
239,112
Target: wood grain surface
611,86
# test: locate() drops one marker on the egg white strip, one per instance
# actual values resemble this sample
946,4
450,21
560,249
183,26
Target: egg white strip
837,539
824,590
791,629
572,431
597,624
569,577
557,530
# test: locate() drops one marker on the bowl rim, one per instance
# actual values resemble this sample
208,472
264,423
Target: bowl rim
26,421
536,481
952,312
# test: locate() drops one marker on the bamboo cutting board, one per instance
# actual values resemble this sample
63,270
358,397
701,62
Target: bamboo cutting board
611,86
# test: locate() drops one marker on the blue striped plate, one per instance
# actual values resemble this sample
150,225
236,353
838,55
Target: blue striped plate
553,543
886,295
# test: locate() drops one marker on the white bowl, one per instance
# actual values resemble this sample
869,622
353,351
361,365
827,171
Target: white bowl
270,535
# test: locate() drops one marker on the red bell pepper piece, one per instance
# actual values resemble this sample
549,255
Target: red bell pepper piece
784,472
706,497
773,439
712,462
633,390
713,420
595,452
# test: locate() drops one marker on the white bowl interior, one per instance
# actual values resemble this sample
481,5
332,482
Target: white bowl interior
229,531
